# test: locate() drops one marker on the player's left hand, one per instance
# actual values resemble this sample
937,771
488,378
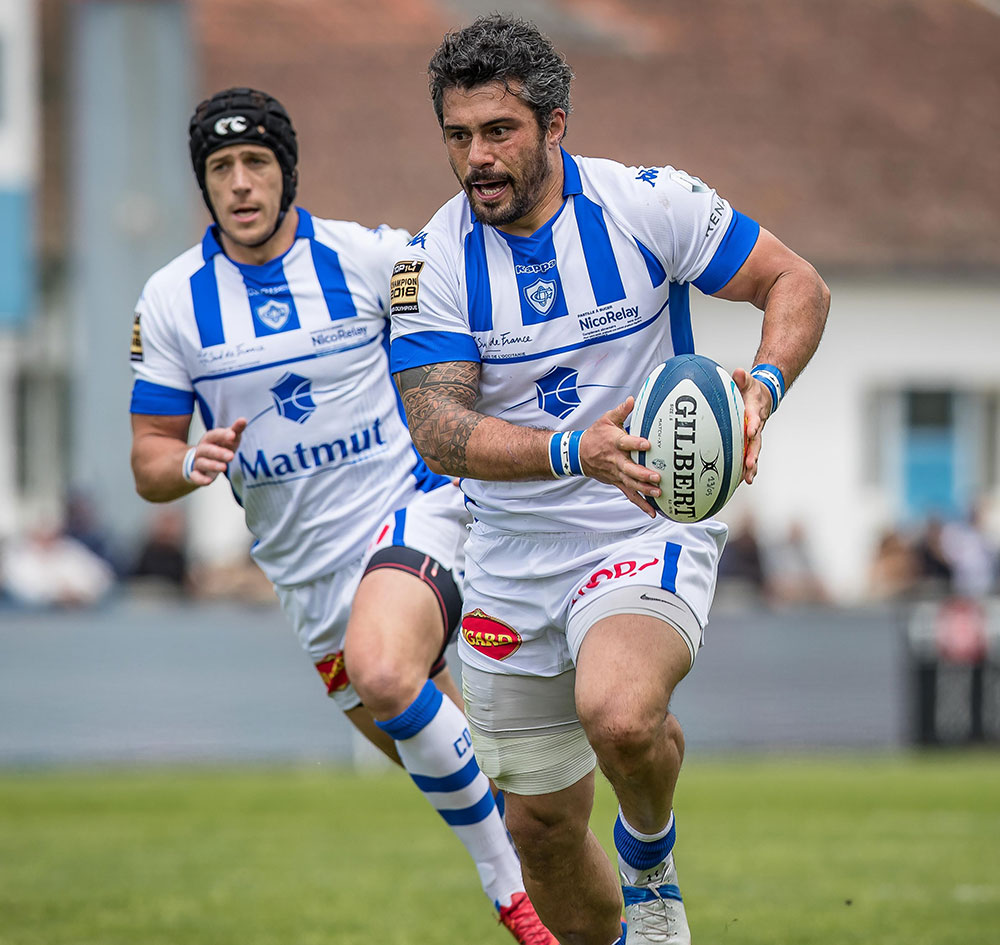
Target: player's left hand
757,408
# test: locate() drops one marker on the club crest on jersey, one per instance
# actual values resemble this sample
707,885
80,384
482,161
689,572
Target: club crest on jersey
333,672
293,398
274,314
489,636
541,295
557,392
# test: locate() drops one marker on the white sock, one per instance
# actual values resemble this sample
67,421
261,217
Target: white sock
432,738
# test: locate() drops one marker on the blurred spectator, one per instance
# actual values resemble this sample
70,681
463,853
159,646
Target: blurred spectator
971,554
48,568
82,524
894,569
741,570
791,575
933,568
162,562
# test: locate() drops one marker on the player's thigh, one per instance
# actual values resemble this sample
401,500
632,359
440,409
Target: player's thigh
627,669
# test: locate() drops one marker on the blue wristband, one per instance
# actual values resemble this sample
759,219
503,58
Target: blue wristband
564,454
771,377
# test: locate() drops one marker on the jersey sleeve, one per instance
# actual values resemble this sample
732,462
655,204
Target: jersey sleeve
161,384
693,231
430,322
387,244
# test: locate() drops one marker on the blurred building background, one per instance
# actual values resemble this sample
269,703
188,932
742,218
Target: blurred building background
864,134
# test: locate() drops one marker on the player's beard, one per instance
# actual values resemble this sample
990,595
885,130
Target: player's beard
525,189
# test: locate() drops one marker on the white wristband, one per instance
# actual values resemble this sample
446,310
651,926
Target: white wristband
188,467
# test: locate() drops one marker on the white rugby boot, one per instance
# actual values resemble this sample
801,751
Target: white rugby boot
654,910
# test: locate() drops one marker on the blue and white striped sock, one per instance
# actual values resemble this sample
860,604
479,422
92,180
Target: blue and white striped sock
432,738
639,852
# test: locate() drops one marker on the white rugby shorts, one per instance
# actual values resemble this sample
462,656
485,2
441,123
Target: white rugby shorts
433,523
527,594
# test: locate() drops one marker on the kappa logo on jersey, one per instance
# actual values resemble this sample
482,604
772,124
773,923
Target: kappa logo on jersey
620,569
489,636
236,125
404,287
541,295
648,175
135,352
333,672
293,398
419,240
557,392
273,313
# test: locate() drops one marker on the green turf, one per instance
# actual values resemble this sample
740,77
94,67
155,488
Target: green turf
886,851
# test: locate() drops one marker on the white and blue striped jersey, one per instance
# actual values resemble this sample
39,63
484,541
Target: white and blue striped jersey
567,322
298,346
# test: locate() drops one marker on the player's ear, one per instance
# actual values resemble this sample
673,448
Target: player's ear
556,129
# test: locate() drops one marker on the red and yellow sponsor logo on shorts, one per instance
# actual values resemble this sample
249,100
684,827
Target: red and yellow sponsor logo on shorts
333,671
491,637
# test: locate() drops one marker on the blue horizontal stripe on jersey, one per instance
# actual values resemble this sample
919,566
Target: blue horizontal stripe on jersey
475,814
681,335
636,894
740,238
451,782
671,553
431,347
273,364
160,401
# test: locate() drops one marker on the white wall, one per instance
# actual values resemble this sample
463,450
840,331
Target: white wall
881,334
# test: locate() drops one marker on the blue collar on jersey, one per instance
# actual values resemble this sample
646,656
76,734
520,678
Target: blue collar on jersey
210,245
571,176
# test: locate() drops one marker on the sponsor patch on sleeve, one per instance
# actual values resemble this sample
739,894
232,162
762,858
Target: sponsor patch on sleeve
136,348
404,287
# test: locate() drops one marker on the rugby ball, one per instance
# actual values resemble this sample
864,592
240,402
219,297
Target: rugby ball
691,411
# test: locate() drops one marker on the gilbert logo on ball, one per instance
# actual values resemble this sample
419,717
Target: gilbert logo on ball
691,411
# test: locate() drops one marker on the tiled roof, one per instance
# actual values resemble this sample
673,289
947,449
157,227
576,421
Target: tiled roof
863,132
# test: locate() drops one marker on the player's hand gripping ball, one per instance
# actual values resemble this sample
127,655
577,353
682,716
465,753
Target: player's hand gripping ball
691,411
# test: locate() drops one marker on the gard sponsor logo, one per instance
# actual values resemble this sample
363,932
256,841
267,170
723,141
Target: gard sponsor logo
262,468
333,672
404,287
683,420
541,295
489,636
602,322
135,352
614,572
528,269
333,337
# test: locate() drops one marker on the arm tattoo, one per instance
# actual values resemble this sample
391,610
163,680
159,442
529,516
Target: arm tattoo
439,401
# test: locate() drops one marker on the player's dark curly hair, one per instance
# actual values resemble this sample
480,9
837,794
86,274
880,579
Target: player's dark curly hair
502,48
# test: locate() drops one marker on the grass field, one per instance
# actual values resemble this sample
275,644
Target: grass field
886,851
